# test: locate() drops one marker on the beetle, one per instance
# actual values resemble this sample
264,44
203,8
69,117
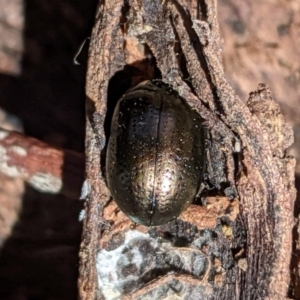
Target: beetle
155,154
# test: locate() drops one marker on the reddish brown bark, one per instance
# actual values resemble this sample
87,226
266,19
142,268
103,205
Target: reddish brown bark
46,168
245,250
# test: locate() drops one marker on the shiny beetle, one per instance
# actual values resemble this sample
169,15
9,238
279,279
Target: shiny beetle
155,155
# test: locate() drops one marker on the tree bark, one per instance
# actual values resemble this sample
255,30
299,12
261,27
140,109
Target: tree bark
45,168
238,243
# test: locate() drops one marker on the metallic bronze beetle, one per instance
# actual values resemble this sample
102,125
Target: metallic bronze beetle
155,155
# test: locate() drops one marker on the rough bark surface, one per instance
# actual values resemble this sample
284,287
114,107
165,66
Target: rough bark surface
47,169
242,251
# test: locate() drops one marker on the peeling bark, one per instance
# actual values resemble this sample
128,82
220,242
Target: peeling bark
243,247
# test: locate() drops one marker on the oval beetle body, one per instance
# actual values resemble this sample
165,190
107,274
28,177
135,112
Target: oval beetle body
155,154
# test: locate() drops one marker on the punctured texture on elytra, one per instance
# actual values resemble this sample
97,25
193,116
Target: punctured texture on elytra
155,155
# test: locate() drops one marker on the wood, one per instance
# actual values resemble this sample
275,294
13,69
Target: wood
243,249
47,169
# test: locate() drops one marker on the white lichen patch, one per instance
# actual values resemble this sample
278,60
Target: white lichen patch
131,260
11,171
82,215
85,190
109,264
46,182
18,150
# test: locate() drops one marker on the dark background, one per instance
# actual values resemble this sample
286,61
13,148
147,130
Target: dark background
40,258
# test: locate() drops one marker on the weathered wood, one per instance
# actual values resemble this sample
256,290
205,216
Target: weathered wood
47,169
243,250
